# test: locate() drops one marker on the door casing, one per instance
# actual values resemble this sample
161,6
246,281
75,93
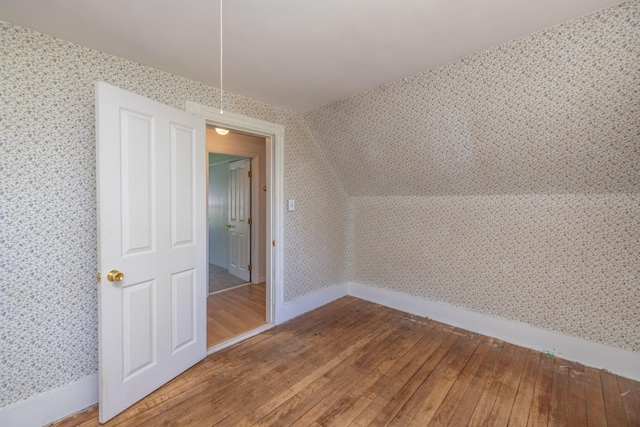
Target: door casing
274,140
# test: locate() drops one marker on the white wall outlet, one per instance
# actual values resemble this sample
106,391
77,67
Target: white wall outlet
291,205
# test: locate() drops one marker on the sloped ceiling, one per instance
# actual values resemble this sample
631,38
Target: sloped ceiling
294,54
553,112
550,112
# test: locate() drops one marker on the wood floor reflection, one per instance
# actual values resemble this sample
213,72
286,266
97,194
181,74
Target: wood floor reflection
235,311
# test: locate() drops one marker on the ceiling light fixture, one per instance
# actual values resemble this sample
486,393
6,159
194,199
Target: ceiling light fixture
221,131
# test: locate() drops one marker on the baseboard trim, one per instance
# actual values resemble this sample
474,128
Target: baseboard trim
310,302
56,404
52,405
64,401
620,362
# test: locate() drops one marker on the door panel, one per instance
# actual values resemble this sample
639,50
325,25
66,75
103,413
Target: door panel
183,286
139,329
183,185
151,227
137,207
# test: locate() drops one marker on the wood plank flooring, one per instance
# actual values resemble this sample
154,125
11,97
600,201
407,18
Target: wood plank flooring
356,363
235,311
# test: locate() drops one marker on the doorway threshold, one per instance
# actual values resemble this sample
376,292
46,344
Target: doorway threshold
238,338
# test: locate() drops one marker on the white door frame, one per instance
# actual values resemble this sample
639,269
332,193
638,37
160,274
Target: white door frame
274,136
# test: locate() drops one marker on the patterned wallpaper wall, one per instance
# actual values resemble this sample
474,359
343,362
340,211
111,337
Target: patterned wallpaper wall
566,263
553,112
48,298
507,182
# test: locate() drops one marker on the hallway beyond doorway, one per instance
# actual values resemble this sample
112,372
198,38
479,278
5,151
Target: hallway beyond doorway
220,279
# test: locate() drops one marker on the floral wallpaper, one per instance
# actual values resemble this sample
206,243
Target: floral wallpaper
48,291
553,112
565,263
506,182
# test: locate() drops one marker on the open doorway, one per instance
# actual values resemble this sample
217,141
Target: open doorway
237,235
273,135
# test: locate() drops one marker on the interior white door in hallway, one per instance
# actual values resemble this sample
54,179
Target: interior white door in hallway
239,218
151,245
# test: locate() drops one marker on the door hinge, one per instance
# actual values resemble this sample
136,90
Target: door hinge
273,243
98,277
250,174
250,221
249,267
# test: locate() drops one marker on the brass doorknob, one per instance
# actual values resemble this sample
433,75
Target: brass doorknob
228,225
115,276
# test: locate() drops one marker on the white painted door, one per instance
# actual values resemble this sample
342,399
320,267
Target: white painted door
151,228
239,214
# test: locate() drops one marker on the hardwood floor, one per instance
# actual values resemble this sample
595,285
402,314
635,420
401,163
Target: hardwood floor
356,363
235,311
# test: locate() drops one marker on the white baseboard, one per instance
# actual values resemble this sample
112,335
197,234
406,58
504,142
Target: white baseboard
51,406
62,402
309,302
620,362
56,404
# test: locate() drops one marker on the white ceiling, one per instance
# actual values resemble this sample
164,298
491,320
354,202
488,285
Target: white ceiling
293,53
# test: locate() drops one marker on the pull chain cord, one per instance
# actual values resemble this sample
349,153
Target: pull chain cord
221,91
221,131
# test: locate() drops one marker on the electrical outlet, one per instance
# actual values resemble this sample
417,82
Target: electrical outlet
291,205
